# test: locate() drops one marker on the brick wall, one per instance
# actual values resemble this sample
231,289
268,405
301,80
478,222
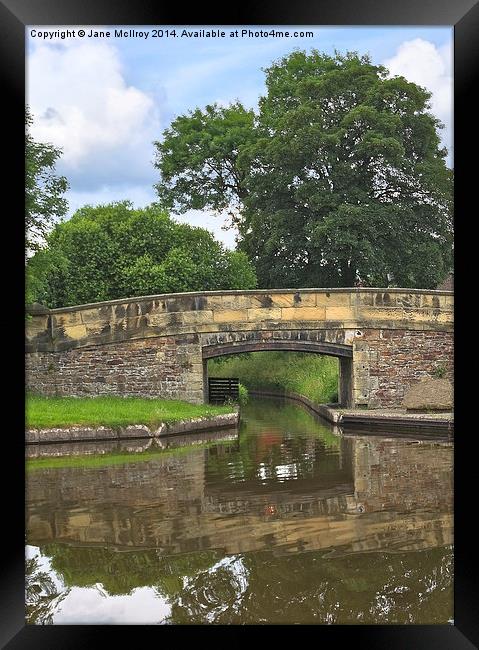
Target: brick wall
159,367
388,362
385,364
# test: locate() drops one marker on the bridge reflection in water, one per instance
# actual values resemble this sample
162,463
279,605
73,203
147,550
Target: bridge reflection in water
285,486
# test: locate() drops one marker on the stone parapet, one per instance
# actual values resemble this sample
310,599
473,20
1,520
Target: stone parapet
193,313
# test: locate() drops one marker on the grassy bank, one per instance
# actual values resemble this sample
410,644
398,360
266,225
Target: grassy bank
311,375
47,412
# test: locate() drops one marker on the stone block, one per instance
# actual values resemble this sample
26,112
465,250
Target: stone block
36,325
135,431
97,327
360,346
363,298
196,368
350,335
219,303
361,370
297,299
303,313
32,436
194,317
385,299
361,382
360,355
333,299
340,313
164,320
230,315
258,315
447,302
429,394
378,314
76,332
67,319
95,314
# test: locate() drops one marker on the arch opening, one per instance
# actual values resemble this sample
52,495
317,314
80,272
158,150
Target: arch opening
343,353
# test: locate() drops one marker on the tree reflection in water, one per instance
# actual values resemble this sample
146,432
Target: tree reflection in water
313,587
42,597
349,590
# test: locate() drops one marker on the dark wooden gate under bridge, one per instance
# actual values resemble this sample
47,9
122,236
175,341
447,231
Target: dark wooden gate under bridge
222,389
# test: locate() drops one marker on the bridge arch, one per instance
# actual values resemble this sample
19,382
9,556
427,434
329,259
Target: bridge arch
344,354
288,345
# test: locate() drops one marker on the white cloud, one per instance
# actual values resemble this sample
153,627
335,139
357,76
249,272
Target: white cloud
81,102
228,63
142,196
92,605
139,195
429,66
218,225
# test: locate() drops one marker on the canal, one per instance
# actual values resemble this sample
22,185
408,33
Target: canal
287,522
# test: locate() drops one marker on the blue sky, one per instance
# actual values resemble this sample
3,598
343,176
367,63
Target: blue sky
105,100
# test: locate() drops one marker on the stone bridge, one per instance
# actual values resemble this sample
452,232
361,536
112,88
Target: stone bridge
158,346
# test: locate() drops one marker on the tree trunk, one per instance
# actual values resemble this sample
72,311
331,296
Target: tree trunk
348,274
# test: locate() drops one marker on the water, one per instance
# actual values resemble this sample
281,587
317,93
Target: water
288,522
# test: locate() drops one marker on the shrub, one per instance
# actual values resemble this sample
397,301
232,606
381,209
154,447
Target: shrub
440,371
243,395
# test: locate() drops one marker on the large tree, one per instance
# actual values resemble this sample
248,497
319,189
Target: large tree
198,159
115,251
44,189
341,176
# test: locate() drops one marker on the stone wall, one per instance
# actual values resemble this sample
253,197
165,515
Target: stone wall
388,362
157,346
157,367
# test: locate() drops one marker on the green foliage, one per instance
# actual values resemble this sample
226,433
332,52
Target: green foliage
44,190
311,375
440,371
198,159
243,396
114,251
339,178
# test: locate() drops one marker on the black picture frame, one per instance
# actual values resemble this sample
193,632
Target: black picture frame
14,16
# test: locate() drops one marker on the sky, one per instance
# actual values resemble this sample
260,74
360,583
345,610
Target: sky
105,99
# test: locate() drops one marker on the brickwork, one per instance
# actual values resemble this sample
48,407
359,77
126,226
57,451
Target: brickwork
388,362
149,368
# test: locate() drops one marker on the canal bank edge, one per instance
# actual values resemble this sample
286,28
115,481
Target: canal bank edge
371,421
85,433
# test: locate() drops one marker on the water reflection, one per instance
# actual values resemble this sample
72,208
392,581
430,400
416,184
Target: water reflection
287,523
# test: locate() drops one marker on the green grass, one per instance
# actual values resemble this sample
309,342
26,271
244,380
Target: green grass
46,412
311,375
